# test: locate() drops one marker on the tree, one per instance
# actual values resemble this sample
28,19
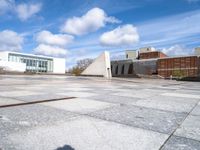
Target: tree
84,63
81,66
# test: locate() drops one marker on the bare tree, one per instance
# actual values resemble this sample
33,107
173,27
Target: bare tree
84,63
81,66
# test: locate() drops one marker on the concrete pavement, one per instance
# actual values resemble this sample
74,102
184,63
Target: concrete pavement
141,114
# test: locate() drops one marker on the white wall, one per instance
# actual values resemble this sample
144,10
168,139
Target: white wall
131,54
4,56
197,51
58,65
13,66
100,66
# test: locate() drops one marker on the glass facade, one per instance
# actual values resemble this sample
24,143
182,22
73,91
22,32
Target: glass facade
33,63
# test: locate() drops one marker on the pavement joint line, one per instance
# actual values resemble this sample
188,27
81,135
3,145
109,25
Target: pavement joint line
89,115
178,126
36,102
186,138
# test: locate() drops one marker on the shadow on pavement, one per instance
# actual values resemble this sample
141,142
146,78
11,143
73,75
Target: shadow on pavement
65,147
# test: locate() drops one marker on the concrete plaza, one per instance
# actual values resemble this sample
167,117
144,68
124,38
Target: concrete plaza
117,114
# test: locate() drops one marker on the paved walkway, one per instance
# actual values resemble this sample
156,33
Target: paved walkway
133,114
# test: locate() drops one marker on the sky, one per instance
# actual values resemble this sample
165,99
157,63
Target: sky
81,29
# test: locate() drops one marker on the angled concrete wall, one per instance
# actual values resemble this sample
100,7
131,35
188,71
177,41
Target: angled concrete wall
100,66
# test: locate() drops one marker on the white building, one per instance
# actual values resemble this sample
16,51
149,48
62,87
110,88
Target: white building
146,49
197,51
131,54
14,61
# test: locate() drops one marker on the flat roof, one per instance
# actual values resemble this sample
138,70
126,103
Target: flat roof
179,56
135,60
31,55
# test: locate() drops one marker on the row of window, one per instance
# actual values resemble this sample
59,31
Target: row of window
33,64
130,69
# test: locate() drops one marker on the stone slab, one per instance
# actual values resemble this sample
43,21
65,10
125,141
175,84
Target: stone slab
18,93
79,105
196,110
18,118
151,119
136,94
8,101
33,98
77,94
85,133
169,105
190,128
180,143
182,95
115,99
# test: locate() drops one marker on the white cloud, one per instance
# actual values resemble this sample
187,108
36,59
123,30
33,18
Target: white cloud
10,41
5,5
52,44
50,50
47,37
176,50
25,11
121,36
93,20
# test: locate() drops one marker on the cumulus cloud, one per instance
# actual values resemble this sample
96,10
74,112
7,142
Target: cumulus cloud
47,37
121,36
10,41
5,5
176,50
25,11
93,20
50,50
52,44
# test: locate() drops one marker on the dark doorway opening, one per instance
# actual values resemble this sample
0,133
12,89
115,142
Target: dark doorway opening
116,70
122,71
130,69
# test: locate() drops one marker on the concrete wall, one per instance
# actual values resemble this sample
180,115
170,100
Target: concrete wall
13,66
147,67
123,68
58,65
99,67
131,68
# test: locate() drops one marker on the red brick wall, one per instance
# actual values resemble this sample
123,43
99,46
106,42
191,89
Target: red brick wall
150,55
183,66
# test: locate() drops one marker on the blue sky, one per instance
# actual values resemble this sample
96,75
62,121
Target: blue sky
84,28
